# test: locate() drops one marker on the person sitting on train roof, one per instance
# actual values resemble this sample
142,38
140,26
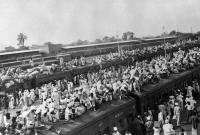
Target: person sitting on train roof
179,99
112,73
115,131
49,67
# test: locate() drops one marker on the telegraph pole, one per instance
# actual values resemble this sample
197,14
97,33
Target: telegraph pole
118,43
164,41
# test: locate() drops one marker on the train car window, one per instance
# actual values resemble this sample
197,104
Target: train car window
130,118
107,131
125,122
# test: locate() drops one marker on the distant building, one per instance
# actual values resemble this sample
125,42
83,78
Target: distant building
48,48
14,55
10,48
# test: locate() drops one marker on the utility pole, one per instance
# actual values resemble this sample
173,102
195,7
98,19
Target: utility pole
118,43
164,41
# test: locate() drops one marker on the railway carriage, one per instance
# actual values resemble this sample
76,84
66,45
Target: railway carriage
119,113
151,94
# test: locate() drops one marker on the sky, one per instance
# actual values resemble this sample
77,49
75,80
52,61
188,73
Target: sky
64,21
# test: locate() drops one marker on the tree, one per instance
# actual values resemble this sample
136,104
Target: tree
164,34
21,38
79,42
124,36
106,39
113,39
173,32
48,43
128,36
85,42
98,41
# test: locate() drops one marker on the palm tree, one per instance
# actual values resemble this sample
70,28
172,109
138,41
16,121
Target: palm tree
21,38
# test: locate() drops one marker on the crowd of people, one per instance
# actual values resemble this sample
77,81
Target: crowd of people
15,75
167,117
62,100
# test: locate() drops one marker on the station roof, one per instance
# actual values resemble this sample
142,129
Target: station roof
18,52
100,44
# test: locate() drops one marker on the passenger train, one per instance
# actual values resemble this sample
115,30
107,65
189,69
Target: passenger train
18,58
103,48
119,113
122,113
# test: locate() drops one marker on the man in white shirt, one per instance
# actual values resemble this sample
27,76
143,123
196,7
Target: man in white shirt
192,102
168,128
179,98
177,111
160,118
67,113
189,91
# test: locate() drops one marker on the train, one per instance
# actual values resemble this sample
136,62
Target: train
14,55
151,94
119,113
122,113
18,58
77,51
69,74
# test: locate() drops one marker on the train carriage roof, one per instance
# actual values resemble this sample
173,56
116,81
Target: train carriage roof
165,84
90,118
159,38
100,44
18,52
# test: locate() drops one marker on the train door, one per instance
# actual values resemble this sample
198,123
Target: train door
121,125
107,131
151,101
165,96
33,83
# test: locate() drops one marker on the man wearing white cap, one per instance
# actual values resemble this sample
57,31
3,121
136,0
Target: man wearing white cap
115,131
179,98
168,128
56,97
67,113
189,91
177,113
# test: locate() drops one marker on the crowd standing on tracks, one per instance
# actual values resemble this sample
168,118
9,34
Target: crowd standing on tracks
62,100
